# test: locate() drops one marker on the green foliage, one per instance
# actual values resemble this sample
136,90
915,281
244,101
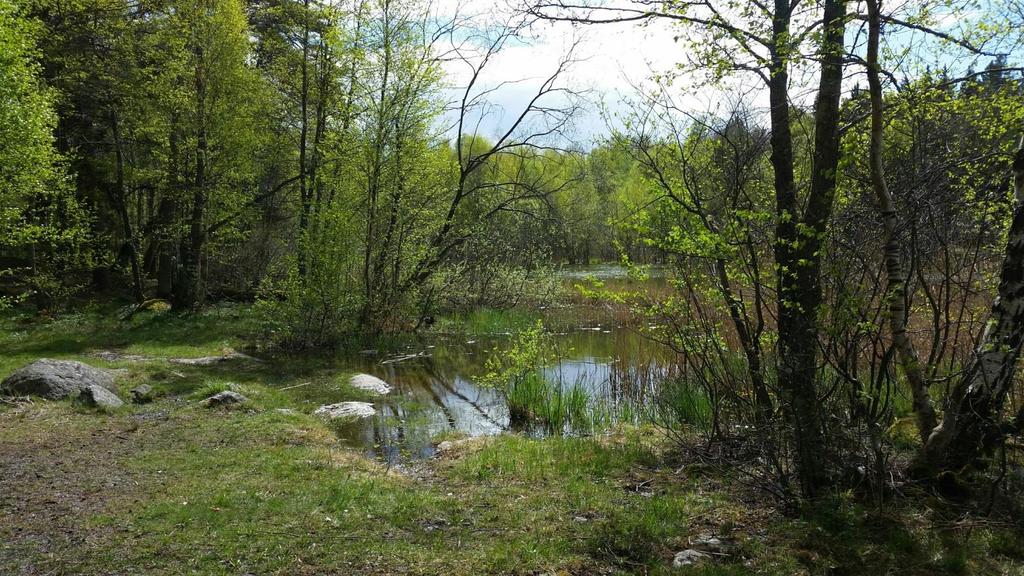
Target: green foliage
41,220
518,373
319,309
538,401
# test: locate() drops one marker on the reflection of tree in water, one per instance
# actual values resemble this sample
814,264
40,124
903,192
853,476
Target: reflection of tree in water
437,377
432,394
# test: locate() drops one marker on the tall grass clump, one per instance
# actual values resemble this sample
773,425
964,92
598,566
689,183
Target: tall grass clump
682,403
533,400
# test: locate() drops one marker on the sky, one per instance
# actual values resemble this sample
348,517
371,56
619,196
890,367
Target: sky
611,61
614,60
617,59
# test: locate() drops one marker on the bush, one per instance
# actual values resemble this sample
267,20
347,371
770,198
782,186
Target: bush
318,309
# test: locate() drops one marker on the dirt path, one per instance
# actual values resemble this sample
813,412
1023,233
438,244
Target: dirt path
54,475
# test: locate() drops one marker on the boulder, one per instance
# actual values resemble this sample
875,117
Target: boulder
225,398
368,383
98,397
689,557
346,411
56,379
142,394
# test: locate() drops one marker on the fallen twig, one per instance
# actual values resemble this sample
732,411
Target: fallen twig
423,354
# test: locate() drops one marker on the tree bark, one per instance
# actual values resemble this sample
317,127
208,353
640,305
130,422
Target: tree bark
166,261
799,238
304,188
190,288
121,202
896,293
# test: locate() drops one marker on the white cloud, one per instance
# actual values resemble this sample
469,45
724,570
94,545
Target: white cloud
610,60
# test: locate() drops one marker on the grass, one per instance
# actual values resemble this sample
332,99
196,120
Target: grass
487,321
173,487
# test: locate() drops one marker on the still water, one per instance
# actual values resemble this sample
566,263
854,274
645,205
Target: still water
434,391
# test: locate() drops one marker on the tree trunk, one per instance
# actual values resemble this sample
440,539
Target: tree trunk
896,293
121,203
190,287
799,240
751,348
304,188
167,262
971,425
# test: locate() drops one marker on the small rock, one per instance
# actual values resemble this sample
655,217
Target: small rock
99,397
712,544
56,379
346,410
450,445
225,398
142,394
286,411
152,416
369,383
689,557
211,360
116,356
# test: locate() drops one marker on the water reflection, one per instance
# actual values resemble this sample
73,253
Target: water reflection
434,393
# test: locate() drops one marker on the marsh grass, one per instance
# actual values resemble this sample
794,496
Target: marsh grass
682,403
487,321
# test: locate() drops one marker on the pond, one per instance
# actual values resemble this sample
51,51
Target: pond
435,391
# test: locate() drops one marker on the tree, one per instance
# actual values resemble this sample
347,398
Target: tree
213,105
972,421
769,40
39,215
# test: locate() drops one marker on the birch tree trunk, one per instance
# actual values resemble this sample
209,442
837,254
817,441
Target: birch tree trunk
971,425
896,291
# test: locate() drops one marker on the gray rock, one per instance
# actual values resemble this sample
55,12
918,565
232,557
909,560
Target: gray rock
211,360
368,383
225,398
99,397
286,411
346,411
451,445
117,356
56,379
689,557
142,394
712,544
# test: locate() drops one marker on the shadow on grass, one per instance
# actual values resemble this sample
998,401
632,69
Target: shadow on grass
852,540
